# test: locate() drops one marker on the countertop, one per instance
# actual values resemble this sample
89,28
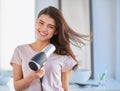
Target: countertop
109,85
92,85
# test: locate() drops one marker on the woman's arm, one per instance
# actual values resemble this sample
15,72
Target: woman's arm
21,83
65,80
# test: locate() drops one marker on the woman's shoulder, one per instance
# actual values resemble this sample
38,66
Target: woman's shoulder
22,46
65,57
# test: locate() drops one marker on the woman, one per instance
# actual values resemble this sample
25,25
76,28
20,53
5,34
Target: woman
50,28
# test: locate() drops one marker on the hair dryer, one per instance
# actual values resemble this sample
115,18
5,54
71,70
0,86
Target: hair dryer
40,59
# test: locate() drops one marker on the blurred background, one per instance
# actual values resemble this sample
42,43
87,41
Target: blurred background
101,17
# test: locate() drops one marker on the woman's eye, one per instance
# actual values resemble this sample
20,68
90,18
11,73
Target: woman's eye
51,27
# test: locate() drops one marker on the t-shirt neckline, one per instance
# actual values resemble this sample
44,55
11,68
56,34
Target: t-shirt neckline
31,48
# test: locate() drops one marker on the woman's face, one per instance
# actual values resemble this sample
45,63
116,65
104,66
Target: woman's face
45,27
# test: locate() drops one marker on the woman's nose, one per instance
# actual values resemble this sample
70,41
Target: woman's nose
44,28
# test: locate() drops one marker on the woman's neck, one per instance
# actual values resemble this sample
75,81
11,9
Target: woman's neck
38,45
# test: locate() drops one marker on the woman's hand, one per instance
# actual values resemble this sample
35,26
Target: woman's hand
40,73
21,83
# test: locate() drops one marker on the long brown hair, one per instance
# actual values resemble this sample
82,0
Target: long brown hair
65,35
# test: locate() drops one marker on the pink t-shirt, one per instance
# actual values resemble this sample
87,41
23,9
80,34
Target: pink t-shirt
53,68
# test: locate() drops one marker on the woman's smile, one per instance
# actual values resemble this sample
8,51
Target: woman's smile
43,34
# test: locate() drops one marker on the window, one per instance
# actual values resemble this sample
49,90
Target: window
16,22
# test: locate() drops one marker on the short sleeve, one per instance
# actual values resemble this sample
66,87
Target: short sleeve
16,57
68,63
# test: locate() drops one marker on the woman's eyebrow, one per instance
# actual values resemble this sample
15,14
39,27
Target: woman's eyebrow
41,20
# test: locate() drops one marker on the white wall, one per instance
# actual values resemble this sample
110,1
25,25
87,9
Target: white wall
16,27
104,36
40,4
118,40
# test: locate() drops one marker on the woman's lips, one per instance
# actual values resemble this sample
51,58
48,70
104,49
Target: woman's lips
43,34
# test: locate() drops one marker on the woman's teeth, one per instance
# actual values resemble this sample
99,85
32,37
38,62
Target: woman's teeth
43,34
